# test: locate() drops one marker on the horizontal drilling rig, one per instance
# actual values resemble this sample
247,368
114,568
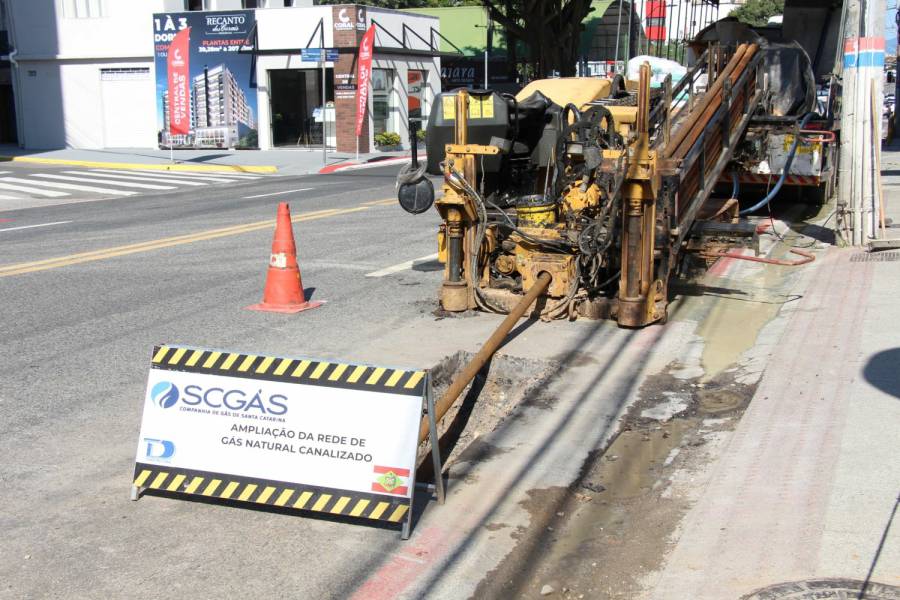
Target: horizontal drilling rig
590,188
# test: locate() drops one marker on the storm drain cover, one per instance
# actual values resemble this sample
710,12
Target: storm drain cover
820,589
875,257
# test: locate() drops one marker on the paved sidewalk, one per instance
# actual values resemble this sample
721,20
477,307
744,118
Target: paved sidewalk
288,161
807,488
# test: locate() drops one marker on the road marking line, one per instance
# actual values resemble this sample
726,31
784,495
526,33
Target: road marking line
385,202
204,179
207,176
30,190
146,186
199,175
169,241
69,186
277,193
190,236
33,226
402,266
207,168
2,197
83,257
140,177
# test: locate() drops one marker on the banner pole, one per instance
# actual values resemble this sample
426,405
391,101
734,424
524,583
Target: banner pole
324,149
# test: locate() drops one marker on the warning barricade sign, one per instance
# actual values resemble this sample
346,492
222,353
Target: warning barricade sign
298,433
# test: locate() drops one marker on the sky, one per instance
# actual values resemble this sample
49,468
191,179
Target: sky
890,29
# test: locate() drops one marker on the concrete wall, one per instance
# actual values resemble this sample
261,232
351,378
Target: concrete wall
58,87
64,105
289,28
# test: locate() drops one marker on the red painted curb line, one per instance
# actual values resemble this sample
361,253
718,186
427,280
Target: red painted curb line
365,165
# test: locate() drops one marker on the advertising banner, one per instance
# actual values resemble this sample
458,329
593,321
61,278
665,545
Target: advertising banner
363,74
178,73
212,86
298,433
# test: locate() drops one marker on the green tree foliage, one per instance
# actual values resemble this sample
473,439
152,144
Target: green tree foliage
758,12
550,29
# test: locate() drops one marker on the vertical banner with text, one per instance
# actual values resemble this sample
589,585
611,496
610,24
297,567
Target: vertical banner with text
363,74
178,70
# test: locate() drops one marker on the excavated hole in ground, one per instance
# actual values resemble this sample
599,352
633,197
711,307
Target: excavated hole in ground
493,397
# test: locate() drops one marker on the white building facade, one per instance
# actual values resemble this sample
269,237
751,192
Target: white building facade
83,74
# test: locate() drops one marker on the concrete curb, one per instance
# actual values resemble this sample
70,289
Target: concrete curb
354,166
152,166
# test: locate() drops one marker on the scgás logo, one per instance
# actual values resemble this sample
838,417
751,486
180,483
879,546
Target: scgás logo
164,394
237,400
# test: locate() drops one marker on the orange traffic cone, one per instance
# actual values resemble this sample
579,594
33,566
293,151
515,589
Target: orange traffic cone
284,288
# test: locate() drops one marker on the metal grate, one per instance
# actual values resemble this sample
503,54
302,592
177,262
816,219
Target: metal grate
875,257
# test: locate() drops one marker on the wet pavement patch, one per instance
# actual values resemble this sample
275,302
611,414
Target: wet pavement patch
598,537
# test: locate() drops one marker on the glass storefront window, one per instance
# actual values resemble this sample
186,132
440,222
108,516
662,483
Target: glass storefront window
295,97
383,102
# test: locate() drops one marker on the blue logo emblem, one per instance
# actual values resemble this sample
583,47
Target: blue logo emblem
159,449
164,394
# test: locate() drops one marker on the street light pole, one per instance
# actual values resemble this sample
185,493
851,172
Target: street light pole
487,47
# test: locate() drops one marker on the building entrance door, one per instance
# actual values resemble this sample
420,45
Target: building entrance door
296,107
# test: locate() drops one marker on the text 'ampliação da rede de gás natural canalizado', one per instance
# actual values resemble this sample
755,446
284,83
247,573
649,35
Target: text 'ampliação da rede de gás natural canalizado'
289,441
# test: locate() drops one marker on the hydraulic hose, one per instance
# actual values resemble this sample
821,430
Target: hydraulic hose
785,171
735,184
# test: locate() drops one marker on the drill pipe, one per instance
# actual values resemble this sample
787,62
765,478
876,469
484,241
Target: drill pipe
715,100
486,352
690,121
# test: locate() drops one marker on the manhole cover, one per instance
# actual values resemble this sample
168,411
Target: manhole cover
815,589
875,257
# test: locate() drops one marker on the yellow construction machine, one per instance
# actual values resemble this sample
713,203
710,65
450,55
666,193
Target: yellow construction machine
583,192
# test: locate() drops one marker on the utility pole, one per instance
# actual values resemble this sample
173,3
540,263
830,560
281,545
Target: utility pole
489,42
863,72
897,72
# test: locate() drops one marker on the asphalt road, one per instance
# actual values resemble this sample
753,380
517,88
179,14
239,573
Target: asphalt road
28,185
87,290
77,338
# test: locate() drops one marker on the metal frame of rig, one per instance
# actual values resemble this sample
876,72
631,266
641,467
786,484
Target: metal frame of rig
585,193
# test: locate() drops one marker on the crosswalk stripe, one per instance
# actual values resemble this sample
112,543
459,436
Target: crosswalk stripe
68,186
201,175
29,190
143,177
2,197
146,186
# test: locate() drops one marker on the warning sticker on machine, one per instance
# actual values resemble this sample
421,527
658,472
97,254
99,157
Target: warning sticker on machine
448,103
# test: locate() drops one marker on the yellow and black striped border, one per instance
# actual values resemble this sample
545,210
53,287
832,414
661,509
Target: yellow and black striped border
290,370
271,493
